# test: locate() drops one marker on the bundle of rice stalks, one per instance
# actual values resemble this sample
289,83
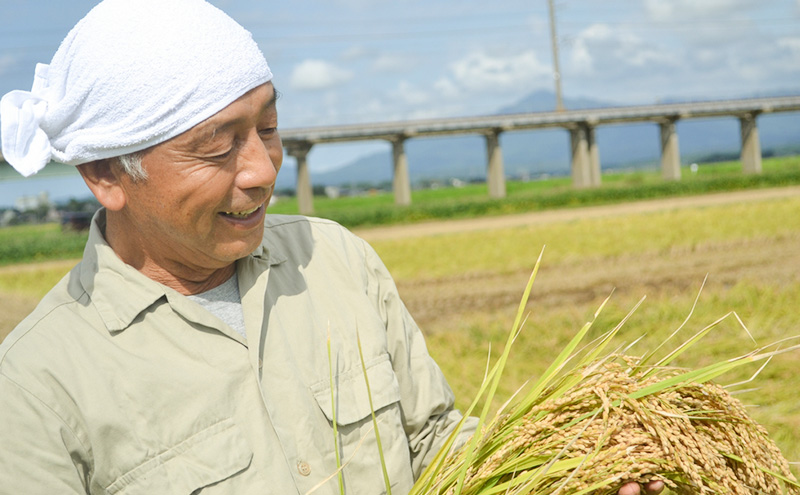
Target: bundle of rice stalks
598,418
611,427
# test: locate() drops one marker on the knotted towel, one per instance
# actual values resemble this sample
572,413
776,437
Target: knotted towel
129,75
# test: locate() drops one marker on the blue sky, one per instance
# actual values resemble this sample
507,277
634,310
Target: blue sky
346,61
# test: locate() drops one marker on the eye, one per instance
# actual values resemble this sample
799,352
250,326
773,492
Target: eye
267,132
222,156
230,148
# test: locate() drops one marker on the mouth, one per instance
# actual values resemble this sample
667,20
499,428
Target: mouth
241,214
244,218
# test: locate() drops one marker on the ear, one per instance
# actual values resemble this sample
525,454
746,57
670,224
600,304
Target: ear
104,179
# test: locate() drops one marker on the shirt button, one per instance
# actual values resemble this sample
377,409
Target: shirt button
303,468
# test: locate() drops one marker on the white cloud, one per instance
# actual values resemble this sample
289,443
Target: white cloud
389,62
780,64
447,88
480,71
707,57
409,94
314,75
601,50
679,60
792,44
675,10
355,52
619,51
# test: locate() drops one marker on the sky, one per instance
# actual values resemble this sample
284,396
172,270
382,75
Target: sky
356,61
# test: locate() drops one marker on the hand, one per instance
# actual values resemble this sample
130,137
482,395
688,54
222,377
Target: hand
651,488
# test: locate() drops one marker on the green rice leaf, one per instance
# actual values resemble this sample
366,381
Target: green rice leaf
374,419
333,414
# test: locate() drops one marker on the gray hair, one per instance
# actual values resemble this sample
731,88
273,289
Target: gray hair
132,164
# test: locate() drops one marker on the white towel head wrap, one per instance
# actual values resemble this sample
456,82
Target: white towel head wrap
130,75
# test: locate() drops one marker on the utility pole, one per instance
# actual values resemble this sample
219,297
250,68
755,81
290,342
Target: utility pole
554,43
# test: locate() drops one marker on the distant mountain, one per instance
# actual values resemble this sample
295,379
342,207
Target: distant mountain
536,152
545,101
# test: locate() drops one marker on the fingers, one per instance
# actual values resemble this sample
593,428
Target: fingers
629,489
651,488
654,487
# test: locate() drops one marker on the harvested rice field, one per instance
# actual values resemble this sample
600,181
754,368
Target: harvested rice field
463,283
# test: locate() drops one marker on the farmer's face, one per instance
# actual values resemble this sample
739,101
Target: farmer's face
204,199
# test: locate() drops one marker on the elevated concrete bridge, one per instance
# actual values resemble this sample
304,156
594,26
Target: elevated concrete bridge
581,124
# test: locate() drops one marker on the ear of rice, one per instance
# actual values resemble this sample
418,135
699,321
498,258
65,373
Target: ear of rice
608,428
598,418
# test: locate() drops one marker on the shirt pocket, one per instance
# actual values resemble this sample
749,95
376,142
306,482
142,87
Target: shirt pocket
352,398
207,457
357,439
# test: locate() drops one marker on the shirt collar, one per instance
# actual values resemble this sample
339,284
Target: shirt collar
119,291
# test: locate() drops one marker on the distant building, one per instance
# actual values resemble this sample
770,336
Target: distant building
332,192
39,201
9,217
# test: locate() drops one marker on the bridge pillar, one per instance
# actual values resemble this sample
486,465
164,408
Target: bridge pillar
585,156
305,195
594,158
495,174
751,145
401,185
670,152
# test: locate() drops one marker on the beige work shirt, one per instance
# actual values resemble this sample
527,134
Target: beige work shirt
116,384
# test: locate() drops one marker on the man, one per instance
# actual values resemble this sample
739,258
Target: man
200,345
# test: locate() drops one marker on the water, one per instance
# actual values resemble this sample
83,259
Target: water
59,188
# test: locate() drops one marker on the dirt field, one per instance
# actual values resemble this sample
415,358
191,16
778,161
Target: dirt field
437,302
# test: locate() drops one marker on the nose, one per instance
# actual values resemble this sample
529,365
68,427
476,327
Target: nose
258,162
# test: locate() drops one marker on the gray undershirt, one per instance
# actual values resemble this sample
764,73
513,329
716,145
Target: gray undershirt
225,303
